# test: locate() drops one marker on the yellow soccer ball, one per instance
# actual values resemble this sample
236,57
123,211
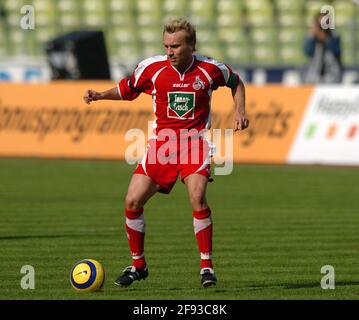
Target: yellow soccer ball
87,276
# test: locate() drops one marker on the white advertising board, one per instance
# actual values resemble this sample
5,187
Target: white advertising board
329,130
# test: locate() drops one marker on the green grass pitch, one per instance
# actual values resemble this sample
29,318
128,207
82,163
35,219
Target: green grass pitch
274,228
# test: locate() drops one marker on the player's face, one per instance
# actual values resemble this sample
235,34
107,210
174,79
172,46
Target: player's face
178,51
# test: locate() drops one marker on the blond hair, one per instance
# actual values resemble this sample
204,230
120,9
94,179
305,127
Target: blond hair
179,24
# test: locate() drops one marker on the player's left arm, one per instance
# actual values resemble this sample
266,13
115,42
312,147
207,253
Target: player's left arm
239,97
224,76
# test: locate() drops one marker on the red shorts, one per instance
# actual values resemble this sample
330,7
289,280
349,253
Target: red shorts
165,160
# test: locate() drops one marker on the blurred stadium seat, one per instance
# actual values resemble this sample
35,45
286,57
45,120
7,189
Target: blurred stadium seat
149,13
259,13
202,15
95,13
69,15
121,13
173,9
256,32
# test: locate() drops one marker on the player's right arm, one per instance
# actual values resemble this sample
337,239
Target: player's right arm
92,95
128,88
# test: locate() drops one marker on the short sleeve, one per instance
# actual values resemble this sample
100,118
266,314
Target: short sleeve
224,76
126,90
131,87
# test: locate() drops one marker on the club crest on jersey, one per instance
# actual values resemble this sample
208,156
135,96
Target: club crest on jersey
181,105
198,84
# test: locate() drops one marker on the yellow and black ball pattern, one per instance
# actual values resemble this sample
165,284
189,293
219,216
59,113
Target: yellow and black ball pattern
87,275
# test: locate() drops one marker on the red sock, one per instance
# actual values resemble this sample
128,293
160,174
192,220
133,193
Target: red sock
135,228
202,223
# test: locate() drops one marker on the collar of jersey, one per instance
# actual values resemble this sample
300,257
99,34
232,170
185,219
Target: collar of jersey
184,73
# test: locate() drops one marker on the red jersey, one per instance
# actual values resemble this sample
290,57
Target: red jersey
180,101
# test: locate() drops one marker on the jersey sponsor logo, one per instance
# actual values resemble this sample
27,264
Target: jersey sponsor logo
180,85
181,105
198,84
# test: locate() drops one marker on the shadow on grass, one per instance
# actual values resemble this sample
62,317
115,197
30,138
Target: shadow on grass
243,288
302,285
317,284
185,290
51,236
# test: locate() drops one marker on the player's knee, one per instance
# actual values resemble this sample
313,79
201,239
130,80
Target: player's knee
132,202
198,201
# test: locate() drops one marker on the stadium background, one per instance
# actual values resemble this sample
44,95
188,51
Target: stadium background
247,34
276,226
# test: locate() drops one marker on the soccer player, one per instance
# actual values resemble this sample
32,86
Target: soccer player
181,84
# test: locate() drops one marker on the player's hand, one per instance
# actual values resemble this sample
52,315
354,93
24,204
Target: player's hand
91,95
240,122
